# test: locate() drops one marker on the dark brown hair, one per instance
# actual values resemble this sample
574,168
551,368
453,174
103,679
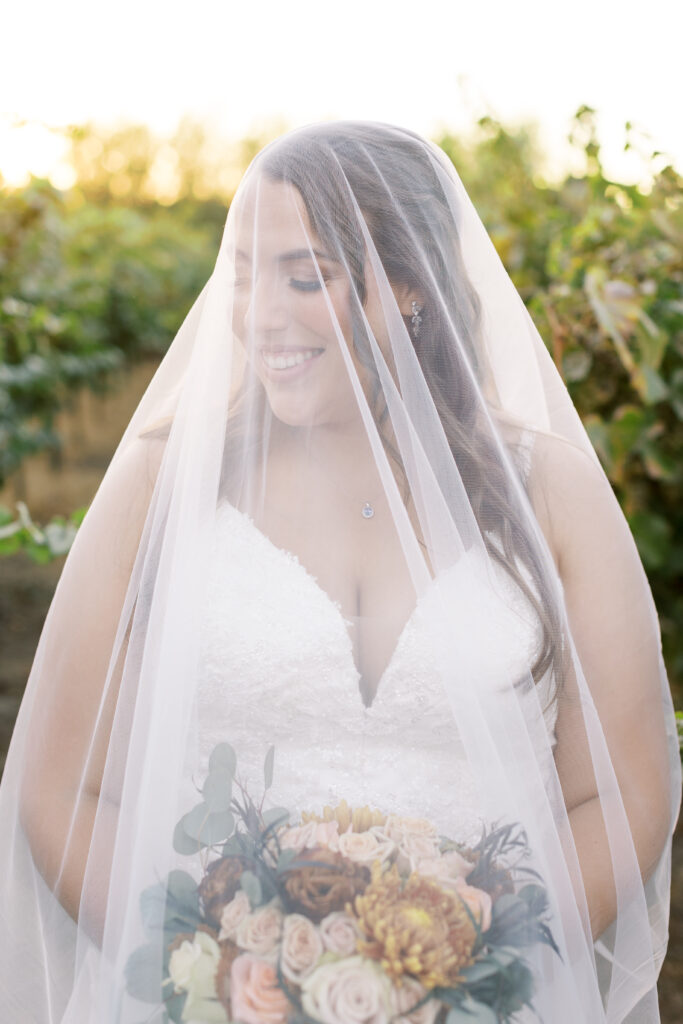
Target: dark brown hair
392,176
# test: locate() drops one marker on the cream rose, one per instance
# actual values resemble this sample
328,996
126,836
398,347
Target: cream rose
445,867
255,996
313,833
260,931
182,962
397,827
402,997
192,968
350,991
302,947
233,914
364,847
413,848
339,933
478,901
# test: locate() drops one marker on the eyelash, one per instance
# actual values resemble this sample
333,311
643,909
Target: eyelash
305,286
301,286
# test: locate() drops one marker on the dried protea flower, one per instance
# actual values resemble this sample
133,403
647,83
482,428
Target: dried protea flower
229,952
317,889
219,885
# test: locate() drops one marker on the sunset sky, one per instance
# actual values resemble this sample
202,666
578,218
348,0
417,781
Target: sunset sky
427,65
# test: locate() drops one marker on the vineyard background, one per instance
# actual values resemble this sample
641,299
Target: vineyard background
95,280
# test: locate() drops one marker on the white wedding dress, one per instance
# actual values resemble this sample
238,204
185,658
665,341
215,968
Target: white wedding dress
278,668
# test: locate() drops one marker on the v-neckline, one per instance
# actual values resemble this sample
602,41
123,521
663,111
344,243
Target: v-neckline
335,607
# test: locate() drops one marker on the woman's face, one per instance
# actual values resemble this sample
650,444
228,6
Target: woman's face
296,331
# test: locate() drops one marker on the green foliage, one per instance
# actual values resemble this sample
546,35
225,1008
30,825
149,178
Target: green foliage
41,544
83,289
600,267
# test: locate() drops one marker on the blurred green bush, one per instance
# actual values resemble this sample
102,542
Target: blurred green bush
600,267
91,278
83,289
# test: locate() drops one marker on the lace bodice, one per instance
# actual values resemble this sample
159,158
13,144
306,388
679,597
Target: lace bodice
278,668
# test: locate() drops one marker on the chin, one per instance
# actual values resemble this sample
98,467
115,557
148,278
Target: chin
294,414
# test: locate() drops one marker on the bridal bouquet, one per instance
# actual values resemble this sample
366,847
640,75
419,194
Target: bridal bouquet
349,917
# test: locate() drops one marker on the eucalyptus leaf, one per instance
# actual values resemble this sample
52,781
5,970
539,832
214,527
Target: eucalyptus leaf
476,1013
143,973
175,1005
153,907
171,907
182,843
252,887
223,760
285,859
183,888
217,791
208,828
482,969
275,814
268,767
182,902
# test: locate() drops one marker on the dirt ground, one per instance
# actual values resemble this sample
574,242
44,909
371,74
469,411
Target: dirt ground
26,589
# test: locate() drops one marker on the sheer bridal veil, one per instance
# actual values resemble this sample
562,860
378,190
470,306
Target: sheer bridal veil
361,387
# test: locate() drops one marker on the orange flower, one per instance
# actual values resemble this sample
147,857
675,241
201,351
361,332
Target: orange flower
414,928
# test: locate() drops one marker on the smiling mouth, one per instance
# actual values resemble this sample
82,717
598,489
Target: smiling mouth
285,360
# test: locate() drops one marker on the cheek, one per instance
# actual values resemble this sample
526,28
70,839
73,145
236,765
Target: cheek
240,307
339,318
324,315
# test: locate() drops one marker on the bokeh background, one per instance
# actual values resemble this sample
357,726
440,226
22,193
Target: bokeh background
124,131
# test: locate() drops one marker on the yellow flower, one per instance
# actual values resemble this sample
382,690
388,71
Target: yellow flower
360,818
415,928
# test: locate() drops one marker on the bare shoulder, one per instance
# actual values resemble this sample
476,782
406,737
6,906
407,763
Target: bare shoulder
571,495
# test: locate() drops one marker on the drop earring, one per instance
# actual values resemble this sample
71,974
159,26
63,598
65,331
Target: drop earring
416,319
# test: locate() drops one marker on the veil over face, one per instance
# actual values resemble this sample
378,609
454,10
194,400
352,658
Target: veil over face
355,518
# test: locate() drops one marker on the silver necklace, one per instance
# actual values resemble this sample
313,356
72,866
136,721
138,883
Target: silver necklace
367,508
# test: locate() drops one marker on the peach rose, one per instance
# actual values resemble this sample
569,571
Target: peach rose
233,914
403,997
260,931
478,901
313,833
255,997
301,949
339,932
364,847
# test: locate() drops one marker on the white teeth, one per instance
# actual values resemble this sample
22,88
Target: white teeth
285,362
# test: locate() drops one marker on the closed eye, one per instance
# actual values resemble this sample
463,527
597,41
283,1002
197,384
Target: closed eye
305,286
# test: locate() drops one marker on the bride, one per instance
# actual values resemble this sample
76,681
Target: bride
354,526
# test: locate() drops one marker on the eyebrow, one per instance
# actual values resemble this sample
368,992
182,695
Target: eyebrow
293,255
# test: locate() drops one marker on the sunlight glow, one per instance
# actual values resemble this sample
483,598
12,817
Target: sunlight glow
430,67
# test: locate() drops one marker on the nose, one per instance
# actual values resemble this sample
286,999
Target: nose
267,310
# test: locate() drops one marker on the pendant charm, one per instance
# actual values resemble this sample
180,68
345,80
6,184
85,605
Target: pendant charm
367,511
